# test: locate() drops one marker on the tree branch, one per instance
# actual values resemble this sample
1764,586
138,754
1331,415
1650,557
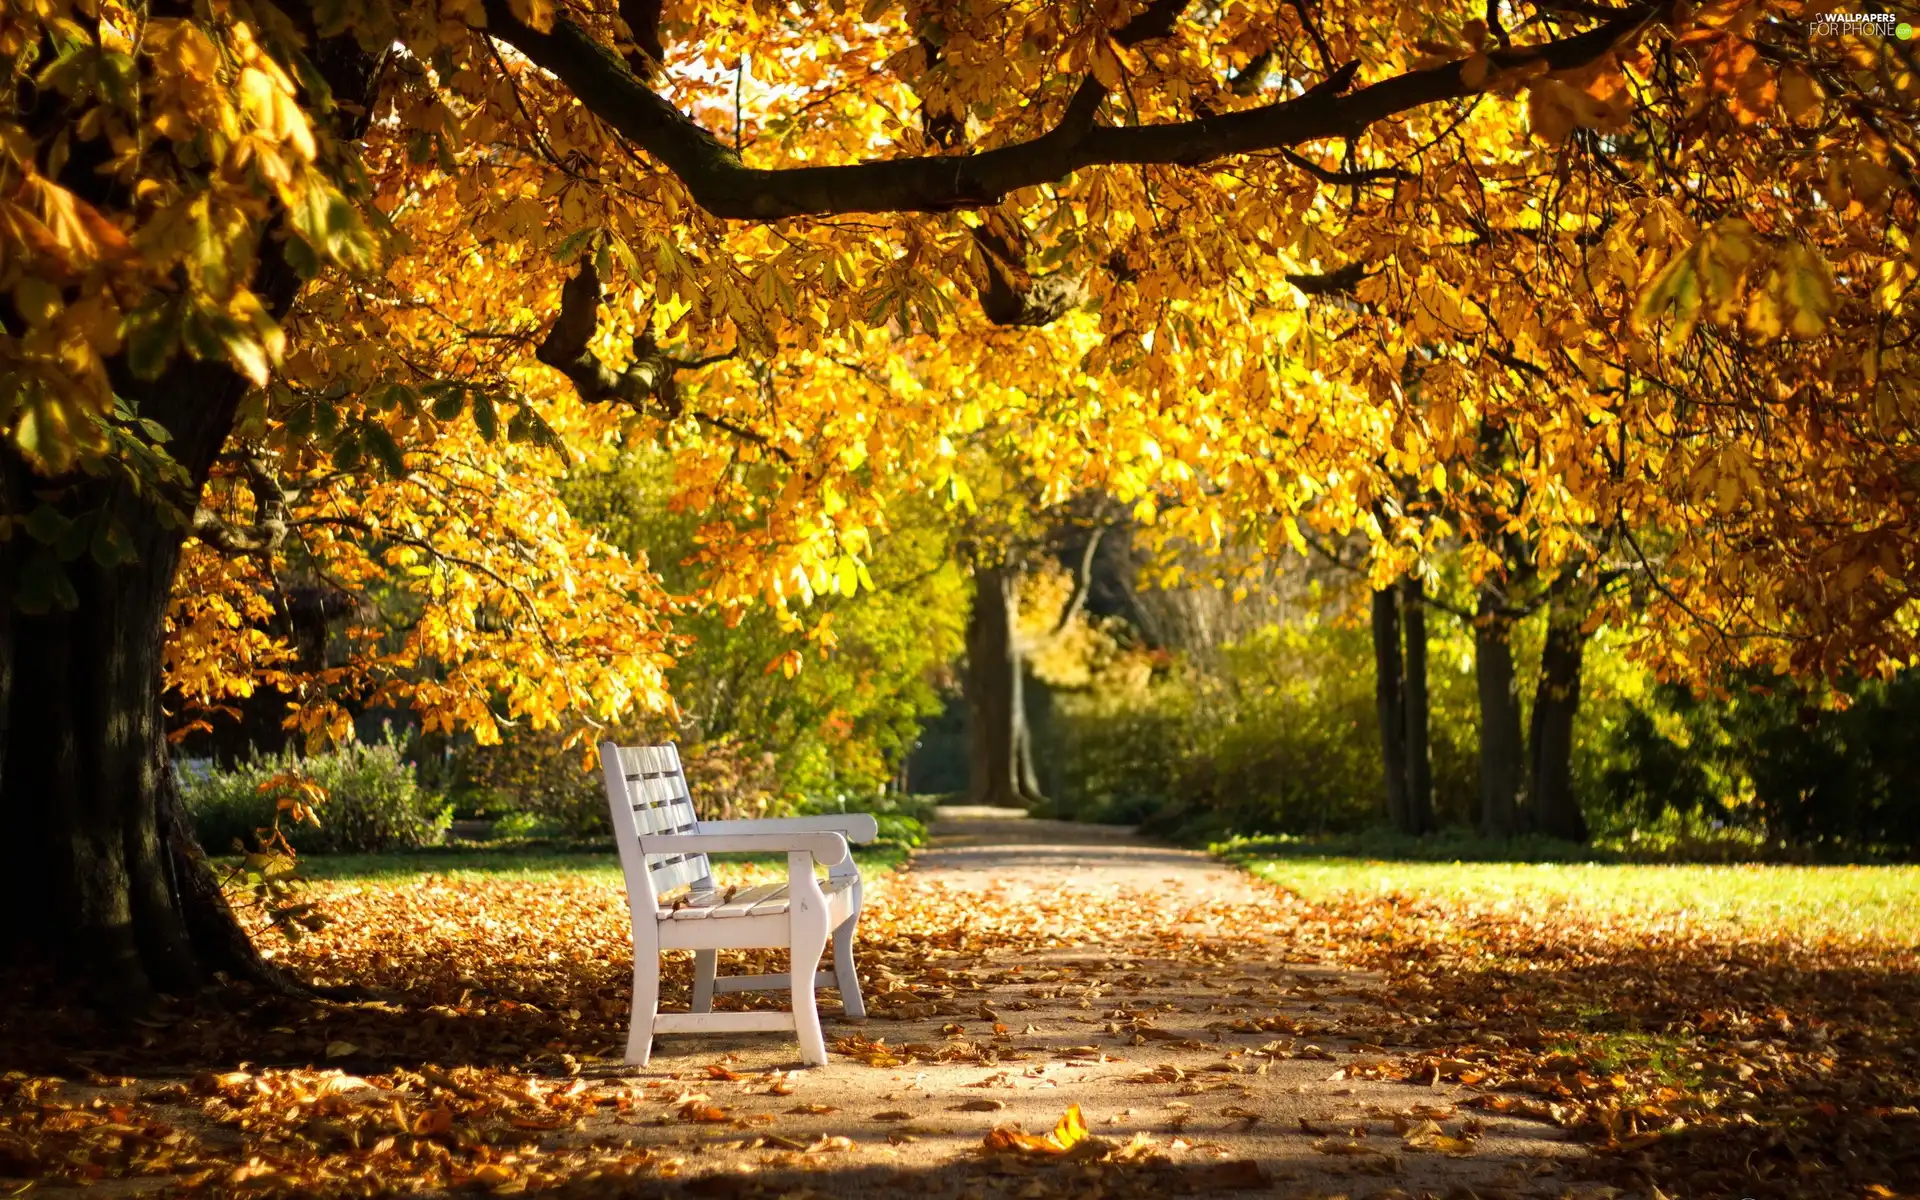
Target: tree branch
1343,178
1083,585
649,382
271,502
1012,296
1338,282
726,187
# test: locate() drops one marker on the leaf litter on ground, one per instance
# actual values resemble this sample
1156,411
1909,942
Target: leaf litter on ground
1686,1056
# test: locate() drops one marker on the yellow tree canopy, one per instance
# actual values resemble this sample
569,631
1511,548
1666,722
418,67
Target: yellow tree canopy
1630,280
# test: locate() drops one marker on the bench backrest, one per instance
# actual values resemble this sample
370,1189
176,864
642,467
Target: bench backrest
648,794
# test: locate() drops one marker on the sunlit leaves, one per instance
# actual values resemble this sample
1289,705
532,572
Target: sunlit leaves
207,134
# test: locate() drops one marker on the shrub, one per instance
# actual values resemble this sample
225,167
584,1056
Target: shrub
1829,773
1279,736
373,802
535,776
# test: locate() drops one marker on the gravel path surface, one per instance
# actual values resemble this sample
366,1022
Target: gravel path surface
1085,965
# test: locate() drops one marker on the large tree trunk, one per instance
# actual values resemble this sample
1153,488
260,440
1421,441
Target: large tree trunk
1556,701
101,874
999,741
1388,704
1501,751
1418,705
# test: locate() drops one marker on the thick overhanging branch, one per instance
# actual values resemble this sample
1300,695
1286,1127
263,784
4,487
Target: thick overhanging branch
725,186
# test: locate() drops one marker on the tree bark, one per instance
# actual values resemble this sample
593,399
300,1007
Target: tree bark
999,740
102,876
1556,702
1418,707
101,872
1501,750
722,184
1389,704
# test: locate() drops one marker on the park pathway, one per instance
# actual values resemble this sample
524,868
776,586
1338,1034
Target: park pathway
1021,966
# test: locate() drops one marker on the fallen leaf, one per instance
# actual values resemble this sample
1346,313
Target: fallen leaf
1070,1131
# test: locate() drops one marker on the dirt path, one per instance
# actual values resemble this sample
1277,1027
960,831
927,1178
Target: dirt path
1022,966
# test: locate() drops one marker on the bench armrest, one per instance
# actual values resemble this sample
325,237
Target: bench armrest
827,848
855,827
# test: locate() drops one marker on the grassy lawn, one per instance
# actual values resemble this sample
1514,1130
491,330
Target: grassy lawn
1877,903
537,862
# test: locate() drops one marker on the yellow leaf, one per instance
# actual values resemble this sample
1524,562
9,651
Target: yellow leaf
1799,95
1068,1133
1806,290
537,13
1548,113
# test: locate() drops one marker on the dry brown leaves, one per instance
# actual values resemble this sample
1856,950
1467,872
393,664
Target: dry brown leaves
1693,1060
1698,1066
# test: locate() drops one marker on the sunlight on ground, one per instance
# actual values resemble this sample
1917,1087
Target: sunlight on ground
1875,903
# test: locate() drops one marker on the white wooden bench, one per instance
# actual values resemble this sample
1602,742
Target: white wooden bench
663,846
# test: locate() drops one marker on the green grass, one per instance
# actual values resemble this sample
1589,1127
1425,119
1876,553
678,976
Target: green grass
1877,902
533,862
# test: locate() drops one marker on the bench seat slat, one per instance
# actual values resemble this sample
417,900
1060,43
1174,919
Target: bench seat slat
764,900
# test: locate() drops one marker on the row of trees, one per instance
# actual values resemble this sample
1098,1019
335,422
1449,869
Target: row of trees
313,302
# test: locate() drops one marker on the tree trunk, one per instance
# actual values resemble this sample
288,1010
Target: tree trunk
1556,701
1418,750
101,873
1389,704
102,876
999,741
1501,750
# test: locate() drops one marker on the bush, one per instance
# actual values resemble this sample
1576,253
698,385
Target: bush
1826,773
1280,736
374,802
534,777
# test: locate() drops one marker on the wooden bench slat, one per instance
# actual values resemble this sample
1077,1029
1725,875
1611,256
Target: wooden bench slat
767,898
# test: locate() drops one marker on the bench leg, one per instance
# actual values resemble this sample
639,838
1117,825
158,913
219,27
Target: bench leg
646,1006
843,973
808,939
706,963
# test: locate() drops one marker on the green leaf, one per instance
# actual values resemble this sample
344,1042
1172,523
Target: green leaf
151,331
380,444
302,257
448,403
300,419
202,335
46,524
484,418
391,396
570,246
74,541
346,454
112,544
43,586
